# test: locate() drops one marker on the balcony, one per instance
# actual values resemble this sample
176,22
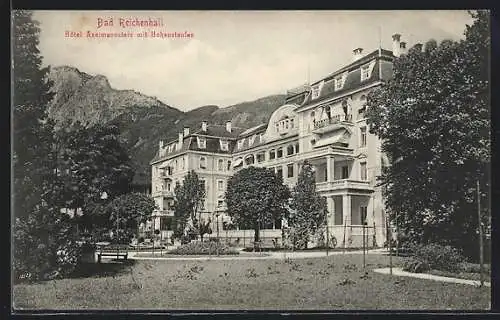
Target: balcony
333,123
343,184
162,213
163,193
165,174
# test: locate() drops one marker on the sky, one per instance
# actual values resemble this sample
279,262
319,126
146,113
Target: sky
232,56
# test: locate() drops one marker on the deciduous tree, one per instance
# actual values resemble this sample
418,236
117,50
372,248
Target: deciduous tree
256,196
127,211
91,161
433,119
188,204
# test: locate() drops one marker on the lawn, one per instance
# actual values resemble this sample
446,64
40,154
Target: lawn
336,282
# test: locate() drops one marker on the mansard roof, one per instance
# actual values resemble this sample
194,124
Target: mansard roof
219,131
382,70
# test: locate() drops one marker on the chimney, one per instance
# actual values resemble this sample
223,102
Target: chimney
186,131
402,48
204,126
228,126
181,139
357,54
396,45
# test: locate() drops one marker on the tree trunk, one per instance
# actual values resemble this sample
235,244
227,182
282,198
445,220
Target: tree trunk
256,237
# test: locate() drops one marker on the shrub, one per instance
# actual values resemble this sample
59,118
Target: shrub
435,256
45,246
415,265
204,248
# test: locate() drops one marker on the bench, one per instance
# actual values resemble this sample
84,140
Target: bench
117,254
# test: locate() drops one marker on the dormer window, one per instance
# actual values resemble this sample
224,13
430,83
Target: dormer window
251,140
261,138
316,90
339,83
224,145
366,70
240,143
202,143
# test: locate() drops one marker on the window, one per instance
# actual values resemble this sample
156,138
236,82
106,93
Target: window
289,150
272,154
261,157
290,170
224,145
220,203
220,185
240,143
249,160
261,138
202,142
183,163
220,165
315,91
363,210
166,223
339,83
345,172
363,137
176,165
169,186
203,184
277,125
362,166
365,72
280,153
279,172
203,163
297,147
291,124
251,140
313,116
328,112
228,165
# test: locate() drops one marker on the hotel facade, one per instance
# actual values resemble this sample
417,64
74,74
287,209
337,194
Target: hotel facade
323,123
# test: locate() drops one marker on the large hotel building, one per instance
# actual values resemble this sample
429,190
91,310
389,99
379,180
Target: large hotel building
323,123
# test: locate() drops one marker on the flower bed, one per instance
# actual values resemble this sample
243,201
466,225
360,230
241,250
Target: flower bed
204,248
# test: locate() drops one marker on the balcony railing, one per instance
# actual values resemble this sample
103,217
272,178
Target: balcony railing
163,193
343,184
333,120
162,213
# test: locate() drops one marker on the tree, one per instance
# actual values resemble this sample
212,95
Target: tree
44,239
91,161
309,210
31,130
256,196
433,119
188,204
126,212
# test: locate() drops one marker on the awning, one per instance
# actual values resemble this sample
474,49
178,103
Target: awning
237,163
339,136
